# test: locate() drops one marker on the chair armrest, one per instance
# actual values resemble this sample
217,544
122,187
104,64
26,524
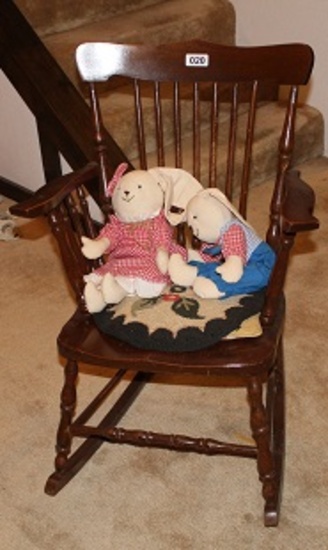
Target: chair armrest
51,195
296,215
298,205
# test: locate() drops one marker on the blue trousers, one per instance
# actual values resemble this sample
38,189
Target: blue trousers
256,273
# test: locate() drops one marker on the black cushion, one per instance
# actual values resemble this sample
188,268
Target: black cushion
178,320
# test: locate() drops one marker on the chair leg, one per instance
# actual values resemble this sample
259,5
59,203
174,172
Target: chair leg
65,466
265,459
276,417
67,405
68,465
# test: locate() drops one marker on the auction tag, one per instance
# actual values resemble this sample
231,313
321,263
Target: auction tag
197,60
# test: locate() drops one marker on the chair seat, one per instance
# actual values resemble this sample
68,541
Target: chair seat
81,340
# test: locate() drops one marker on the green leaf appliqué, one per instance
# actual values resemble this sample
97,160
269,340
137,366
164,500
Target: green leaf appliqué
187,307
143,303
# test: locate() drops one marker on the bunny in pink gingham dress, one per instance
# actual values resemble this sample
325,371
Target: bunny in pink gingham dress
137,242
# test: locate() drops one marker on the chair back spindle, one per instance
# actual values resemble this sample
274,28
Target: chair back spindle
140,126
249,139
177,125
214,137
100,147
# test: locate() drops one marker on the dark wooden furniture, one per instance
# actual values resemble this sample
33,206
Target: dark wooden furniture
214,87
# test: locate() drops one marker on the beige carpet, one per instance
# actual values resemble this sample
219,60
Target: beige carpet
136,499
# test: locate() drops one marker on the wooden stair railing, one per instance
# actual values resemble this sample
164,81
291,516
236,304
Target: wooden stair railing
62,115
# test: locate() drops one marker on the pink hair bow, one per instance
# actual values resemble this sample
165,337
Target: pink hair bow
120,170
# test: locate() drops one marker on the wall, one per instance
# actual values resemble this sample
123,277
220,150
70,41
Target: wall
276,21
20,159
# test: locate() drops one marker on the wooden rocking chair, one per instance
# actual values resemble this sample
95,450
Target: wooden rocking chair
217,93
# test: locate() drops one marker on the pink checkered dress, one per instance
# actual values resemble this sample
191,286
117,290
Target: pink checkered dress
133,248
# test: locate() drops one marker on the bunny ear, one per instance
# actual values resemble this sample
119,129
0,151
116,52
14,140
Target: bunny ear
120,170
179,187
222,198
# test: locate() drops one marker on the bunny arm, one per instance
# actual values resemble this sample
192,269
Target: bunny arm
232,269
94,248
234,252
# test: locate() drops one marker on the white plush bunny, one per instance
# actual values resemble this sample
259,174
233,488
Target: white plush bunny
233,259
138,239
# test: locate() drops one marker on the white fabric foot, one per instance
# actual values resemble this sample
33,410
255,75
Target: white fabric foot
180,272
112,291
205,288
93,298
